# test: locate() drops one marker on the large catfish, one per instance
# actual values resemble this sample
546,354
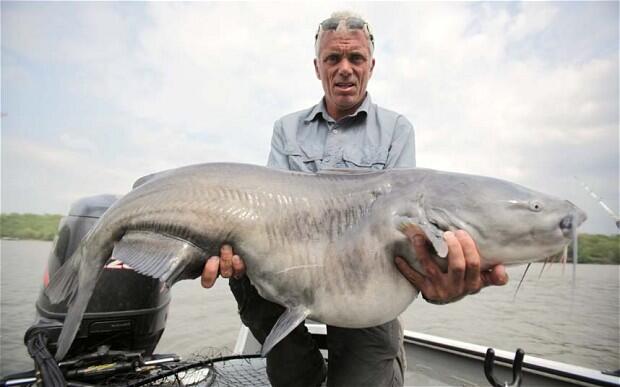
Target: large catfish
322,245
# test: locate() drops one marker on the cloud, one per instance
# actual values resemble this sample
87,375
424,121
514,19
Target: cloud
531,19
481,100
123,89
40,178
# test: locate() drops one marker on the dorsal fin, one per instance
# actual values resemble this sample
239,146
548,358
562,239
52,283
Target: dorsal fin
146,178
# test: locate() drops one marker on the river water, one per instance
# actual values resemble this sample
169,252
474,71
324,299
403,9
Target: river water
549,317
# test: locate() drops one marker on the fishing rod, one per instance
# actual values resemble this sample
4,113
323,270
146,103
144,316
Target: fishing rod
596,197
609,212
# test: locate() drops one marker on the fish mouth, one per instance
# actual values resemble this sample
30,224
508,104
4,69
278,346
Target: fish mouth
569,224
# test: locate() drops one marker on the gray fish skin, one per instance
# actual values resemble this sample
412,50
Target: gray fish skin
323,245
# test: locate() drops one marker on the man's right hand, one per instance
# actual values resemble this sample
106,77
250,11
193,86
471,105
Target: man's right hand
228,264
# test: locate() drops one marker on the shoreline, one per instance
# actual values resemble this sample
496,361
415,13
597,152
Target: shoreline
582,260
593,248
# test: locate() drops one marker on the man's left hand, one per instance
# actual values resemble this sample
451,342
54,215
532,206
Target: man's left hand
463,276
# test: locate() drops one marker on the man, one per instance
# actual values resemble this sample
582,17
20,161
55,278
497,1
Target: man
347,130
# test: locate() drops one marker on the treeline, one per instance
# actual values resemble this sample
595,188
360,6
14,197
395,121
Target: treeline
29,226
593,248
596,248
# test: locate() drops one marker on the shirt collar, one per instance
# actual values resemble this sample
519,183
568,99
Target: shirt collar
319,109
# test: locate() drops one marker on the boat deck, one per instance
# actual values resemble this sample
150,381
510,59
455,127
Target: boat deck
437,361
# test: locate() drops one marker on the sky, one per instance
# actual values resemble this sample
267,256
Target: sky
97,94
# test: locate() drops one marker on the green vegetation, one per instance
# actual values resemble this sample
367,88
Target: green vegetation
598,249
592,248
29,226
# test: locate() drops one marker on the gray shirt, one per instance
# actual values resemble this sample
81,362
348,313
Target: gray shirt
372,137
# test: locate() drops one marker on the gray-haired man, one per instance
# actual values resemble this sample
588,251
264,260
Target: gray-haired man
347,130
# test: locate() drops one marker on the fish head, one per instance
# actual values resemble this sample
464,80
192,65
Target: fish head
510,224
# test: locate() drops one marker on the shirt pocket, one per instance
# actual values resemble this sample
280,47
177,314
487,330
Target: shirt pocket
303,158
371,157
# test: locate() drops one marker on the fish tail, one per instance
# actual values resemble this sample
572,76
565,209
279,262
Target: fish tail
64,282
72,322
74,285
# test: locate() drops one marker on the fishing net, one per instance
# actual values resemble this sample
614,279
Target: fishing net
245,370
207,369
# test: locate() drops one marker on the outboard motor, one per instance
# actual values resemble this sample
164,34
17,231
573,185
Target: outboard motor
127,311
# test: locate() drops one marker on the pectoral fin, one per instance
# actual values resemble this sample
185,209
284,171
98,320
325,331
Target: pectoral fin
411,226
289,320
160,256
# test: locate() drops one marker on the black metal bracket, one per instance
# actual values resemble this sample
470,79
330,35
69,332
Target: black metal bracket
489,360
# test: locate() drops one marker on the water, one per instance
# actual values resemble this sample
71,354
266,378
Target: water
548,318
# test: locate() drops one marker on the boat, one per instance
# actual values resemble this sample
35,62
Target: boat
432,361
123,323
438,361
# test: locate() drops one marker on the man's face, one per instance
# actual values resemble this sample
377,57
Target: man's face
344,67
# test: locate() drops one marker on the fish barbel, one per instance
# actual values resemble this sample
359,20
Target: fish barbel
322,245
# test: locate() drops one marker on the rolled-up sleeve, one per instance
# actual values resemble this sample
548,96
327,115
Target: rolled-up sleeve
402,149
277,157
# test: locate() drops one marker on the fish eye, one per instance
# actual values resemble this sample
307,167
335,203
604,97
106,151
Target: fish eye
536,206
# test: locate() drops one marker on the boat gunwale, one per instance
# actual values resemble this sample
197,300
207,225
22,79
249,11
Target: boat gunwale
531,364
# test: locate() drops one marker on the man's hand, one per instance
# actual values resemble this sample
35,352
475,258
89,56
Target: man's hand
463,276
227,265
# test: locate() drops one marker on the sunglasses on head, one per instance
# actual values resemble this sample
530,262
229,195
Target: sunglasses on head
352,23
